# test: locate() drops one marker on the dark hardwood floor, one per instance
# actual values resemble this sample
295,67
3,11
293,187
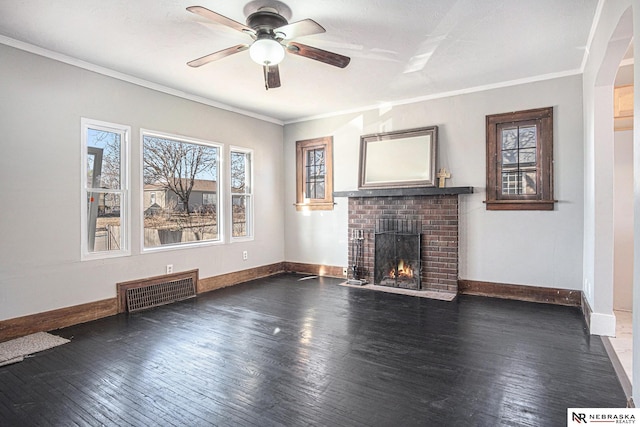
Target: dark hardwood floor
280,351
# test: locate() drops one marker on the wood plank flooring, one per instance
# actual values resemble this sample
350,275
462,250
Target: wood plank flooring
284,352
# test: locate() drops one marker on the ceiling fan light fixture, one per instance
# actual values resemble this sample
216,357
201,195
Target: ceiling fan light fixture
266,51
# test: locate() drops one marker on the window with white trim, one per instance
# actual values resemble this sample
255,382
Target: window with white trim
241,193
184,175
105,189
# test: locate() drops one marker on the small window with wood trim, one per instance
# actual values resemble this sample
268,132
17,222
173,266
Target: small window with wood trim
520,160
314,174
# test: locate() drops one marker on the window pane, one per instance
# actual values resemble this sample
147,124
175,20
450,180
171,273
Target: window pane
239,215
310,190
529,182
315,174
103,159
510,157
105,222
312,171
238,172
528,137
319,160
184,177
241,194
519,182
510,183
527,155
509,139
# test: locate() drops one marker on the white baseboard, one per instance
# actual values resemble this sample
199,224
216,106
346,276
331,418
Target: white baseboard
603,324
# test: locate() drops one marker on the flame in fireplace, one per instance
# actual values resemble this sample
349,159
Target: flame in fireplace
404,270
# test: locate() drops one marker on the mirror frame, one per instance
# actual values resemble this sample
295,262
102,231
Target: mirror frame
371,160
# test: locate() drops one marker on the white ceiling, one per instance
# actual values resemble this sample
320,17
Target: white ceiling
399,50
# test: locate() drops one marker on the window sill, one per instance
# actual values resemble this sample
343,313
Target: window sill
319,206
520,205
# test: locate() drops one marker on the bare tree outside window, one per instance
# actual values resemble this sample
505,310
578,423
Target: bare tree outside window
314,174
105,184
104,198
520,160
241,193
186,173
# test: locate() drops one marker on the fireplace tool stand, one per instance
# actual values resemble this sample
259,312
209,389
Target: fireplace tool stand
357,253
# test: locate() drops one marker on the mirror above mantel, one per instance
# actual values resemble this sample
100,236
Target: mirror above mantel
399,159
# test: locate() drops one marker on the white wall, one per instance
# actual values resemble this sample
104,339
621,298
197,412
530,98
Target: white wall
623,221
41,104
515,247
610,42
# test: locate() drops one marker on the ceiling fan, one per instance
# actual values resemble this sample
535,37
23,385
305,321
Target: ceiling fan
271,34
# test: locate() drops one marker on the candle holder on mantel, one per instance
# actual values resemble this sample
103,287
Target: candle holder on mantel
357,252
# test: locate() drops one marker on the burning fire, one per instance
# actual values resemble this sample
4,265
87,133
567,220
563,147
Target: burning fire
404,270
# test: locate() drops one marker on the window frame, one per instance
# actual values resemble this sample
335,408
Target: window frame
542,118
124,191
302,147
250,194
220,193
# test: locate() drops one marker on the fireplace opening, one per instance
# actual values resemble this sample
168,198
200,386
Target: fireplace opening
397,254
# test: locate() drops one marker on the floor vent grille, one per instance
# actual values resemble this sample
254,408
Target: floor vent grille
143,294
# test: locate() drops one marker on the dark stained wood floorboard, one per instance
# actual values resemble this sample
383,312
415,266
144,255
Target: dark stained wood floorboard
284,352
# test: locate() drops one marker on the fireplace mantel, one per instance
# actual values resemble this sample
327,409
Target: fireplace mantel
417,191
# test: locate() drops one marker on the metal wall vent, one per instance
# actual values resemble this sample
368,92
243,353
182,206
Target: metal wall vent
141,298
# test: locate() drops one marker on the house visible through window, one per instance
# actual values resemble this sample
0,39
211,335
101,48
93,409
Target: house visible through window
518,152
314,169
105,200
520,160
241,193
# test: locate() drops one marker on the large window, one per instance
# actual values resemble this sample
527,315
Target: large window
314,174
181,176
241,194
105,189
520,160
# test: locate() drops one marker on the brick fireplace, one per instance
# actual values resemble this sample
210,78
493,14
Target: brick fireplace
435,209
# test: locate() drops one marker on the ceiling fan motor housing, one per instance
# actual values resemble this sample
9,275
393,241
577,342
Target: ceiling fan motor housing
264,21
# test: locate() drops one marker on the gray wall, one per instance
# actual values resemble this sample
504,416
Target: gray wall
41,104
529,248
